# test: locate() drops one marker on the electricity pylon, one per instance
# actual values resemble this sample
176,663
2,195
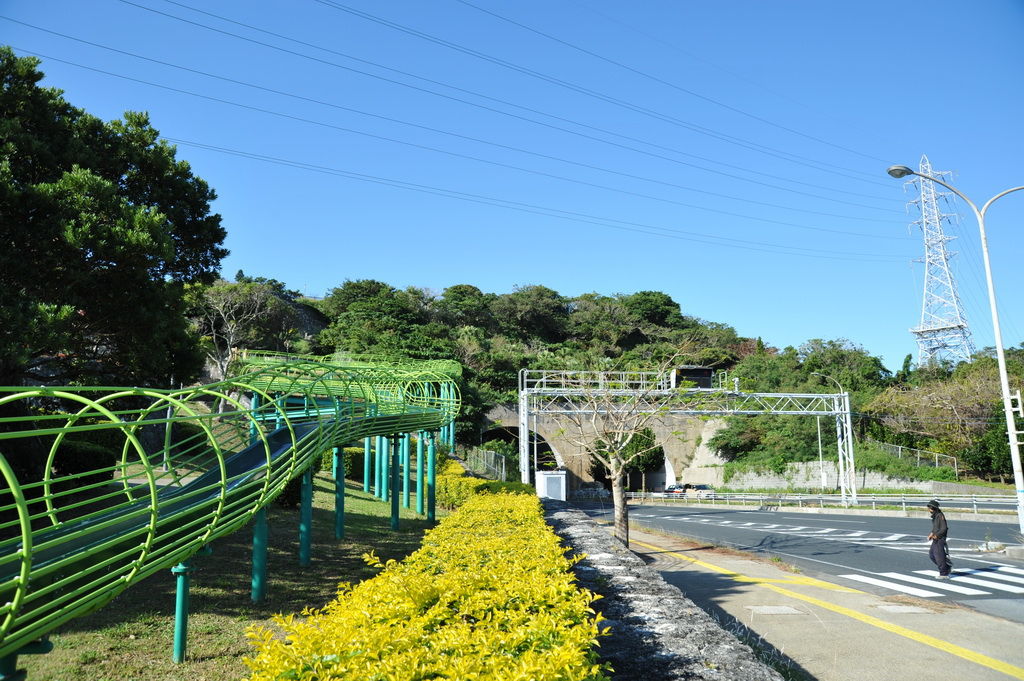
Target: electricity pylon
943,334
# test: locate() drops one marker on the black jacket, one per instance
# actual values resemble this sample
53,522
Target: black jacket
939,527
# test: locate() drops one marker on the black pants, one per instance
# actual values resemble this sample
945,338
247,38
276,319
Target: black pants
939,554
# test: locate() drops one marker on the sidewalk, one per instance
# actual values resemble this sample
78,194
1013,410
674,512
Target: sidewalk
832,632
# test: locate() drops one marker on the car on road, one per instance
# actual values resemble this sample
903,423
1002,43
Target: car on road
675,489
699,491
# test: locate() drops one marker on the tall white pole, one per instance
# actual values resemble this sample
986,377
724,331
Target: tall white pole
1004,379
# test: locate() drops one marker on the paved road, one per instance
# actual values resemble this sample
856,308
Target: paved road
881,555
832,632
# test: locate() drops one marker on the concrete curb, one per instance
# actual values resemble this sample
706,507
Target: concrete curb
655,631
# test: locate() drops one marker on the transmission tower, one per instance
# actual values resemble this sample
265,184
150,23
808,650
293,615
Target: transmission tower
943,334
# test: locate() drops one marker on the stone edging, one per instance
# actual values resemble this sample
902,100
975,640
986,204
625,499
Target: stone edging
656,633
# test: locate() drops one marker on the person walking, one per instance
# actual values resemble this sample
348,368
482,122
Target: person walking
939,552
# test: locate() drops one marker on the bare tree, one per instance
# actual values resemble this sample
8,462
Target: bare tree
605,412
229,314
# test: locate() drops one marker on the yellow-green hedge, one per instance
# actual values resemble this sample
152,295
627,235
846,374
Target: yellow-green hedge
454,486
489,596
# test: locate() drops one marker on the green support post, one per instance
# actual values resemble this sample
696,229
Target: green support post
259,556
395,446
406,447
306,518
366,464
431,476
339,496
419,472
181,571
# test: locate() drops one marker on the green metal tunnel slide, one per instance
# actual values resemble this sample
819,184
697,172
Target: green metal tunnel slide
179,468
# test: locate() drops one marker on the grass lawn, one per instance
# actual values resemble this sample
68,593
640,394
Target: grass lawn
131,638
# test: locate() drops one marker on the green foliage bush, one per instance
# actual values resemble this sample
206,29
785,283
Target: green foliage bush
874,460
455,487
489,596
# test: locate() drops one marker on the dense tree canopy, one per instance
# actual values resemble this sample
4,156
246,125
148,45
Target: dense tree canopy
101,228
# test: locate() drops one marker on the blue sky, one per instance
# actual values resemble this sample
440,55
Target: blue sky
730,154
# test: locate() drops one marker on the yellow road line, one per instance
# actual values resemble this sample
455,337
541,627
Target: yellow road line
945,646
772,584
795,579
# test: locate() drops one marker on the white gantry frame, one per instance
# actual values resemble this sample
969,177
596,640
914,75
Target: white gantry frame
550,393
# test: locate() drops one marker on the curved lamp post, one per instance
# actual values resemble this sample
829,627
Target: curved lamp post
1004,381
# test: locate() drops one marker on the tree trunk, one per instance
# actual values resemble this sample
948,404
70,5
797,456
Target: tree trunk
619,502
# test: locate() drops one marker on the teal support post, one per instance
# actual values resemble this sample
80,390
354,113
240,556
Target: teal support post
259,556
431,476
181,571
419,472
377,467
339,496
9,663
383,456
253,427
406,447
306,518
334,463
390,464
9,669
259,534
366,464
395,445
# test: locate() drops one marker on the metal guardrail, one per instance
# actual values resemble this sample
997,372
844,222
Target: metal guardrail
923,457
489,463
995,502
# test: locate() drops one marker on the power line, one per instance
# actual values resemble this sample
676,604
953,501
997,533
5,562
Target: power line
738,141
502,102
331,126
674,86
492,143
652,230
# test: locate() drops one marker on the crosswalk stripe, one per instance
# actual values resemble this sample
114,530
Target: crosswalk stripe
994,574
894,537
913,591
946,586
1016,571
856,533
958,577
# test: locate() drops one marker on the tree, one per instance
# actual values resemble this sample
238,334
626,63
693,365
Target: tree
607,415
532,312
102,227
246,315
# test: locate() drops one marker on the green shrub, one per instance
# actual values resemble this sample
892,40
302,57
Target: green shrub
77,455
454,486
291,495
489,596
352,458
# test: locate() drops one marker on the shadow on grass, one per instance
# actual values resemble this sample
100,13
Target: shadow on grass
136,628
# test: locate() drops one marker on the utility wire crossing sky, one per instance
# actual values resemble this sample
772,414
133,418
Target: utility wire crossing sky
731,155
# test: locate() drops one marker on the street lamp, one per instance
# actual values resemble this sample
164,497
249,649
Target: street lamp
844,442
1004,380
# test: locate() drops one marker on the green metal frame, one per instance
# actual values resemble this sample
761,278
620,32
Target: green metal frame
195,464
